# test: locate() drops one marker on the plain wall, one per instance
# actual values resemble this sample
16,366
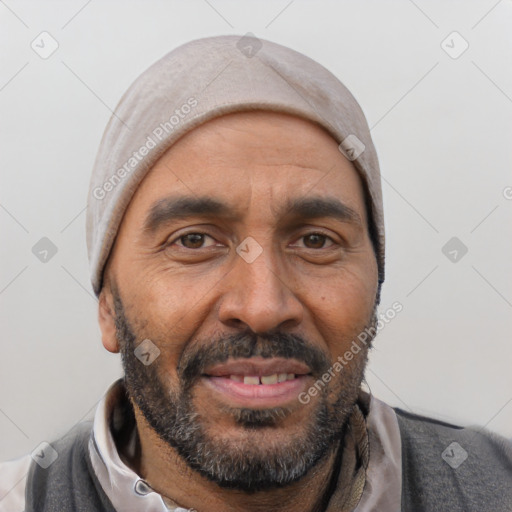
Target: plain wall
442,127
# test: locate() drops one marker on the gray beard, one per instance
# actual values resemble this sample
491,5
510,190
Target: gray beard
245,466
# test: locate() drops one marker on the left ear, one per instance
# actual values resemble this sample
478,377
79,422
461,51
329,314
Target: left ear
107,321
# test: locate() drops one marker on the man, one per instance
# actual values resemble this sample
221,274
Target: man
236,239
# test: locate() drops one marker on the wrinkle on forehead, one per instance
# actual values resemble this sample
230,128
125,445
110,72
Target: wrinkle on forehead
271,159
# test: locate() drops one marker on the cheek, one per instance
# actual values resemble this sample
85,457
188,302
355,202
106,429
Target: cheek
342,310
165,289
149,322
169,310
158,294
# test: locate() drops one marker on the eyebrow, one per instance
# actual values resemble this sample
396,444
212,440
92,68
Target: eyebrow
317,207
170,209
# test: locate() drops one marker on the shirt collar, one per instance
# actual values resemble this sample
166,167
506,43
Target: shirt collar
125,489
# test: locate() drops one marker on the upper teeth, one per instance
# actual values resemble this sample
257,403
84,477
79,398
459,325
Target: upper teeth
264,379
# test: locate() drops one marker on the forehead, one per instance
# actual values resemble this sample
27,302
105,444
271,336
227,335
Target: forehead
260,158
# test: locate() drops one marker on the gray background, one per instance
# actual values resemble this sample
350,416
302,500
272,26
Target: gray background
442,127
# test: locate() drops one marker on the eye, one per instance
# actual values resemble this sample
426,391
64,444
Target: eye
192,240
316,240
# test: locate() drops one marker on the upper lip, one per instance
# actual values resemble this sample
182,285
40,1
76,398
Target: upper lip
258,366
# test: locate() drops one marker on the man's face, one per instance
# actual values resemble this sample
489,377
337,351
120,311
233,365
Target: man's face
244,256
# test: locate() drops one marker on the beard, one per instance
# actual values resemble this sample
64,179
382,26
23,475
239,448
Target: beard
248,463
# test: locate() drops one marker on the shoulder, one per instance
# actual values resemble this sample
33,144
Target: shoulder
450,465
24,476
13,481
424,431
60,460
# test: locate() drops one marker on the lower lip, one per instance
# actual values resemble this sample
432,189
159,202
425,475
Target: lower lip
258,395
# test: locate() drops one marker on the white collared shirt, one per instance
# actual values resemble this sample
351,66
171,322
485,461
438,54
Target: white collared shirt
128,492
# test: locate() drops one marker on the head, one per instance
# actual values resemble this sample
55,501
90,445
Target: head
307,289
238,261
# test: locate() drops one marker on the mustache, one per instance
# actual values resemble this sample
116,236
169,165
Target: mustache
198,358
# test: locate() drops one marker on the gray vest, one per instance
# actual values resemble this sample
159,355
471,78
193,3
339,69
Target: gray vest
444,469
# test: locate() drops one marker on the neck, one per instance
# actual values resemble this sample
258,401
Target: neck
168,474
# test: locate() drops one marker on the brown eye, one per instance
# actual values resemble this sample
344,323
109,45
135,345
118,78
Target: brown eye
316,240
192,240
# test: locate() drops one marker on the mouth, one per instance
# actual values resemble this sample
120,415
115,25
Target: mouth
258,383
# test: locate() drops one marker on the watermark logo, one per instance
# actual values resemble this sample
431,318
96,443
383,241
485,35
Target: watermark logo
249,249
146,352
44,455
44,250
352,147
454,45
45,45
454,249
249,45
454,455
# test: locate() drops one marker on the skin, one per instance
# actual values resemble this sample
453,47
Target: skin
177,290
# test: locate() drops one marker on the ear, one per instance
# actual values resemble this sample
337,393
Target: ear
107,321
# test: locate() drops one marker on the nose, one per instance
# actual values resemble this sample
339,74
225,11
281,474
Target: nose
259,296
